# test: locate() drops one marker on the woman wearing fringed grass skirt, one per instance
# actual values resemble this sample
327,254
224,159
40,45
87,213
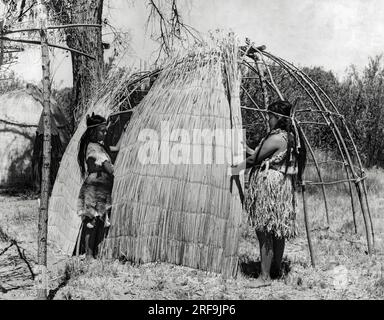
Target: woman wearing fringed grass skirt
277,165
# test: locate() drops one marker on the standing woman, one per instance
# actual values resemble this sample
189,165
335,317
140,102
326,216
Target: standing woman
94,203
277,166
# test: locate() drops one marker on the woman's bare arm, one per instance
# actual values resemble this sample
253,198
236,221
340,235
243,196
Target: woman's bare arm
116,148
269,147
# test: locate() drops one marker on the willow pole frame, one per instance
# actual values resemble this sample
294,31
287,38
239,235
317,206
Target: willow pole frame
356,153
293,73
317,167
308,85
338,135
366,213
323,113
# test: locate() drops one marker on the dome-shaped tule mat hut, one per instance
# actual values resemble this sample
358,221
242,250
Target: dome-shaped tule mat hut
166,207
60,137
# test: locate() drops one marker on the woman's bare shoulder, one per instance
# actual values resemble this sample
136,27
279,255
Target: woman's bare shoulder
278,138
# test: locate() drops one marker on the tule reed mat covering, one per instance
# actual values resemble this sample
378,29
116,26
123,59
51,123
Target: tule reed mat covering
181,213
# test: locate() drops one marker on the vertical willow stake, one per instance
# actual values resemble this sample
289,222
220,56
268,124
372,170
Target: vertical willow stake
305,208
45,181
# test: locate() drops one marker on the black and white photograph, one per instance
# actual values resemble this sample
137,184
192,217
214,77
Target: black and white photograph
205,151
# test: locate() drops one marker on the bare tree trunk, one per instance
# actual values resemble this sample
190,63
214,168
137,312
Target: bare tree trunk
87,73
45,184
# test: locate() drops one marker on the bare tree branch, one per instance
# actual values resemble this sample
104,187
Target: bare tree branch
170,26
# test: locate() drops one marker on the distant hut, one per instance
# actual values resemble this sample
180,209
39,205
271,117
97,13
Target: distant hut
19,117
60,137
20,113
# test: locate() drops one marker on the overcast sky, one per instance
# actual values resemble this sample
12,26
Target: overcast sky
329,33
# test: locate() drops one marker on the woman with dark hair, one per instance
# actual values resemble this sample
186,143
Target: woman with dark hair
277,166
94,203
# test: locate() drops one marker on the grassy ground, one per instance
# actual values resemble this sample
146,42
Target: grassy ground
343,269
